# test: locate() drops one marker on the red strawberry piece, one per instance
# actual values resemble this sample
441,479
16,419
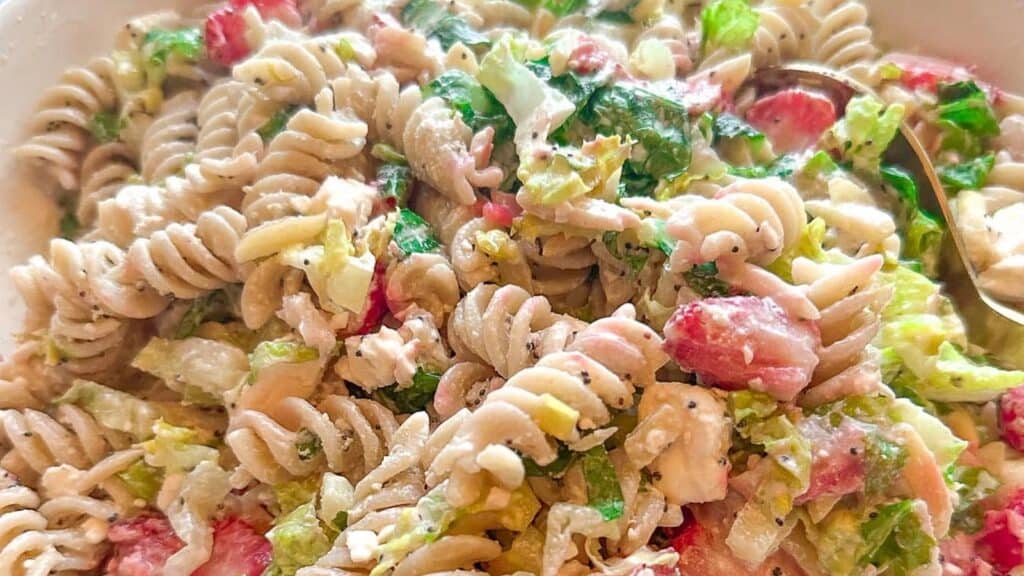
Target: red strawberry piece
837,467
238,550
1002,539
285,11
925,73
225,36
744,342
1011,417
142,546
588,56
959,552
376,304
793,120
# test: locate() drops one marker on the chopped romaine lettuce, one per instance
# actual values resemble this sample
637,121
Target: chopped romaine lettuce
298,540
729,127
809,246
820,164
201,369
634,256
308,445
291,495
568,173
557,7
432,19
277,123
523,556
894,539
186,44
729,24
964,105
216,306
279,351
337,496
652,234
923,232
412,233
536,108
105,126
865,132
176,449
659,125
782,167
474,103
394,181
69,224
143,481
884,460
837,541
969,175
577,88
112,408
703,279
516,515
388,154
603,490
972,484
414,397
556,468
497,244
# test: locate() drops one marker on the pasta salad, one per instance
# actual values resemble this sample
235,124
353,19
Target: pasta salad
409,287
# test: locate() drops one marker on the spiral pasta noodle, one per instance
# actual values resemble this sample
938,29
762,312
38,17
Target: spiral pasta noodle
170,141
60,126
844,41
786,32
105,170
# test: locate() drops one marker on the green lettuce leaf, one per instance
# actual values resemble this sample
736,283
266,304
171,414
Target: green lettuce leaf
969,175
809,245
922,232
659,125
972,484
202,370
413,235
176,449
570,173
216,306
966,106
291,495
415,397
186,44
728,24
105,126
432,19
279,351
577,88
277,123
113,409
865,132
143,481
298,540
895,541
474,103
884,460
703,279
603,490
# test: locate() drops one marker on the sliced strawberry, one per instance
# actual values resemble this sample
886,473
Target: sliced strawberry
1011,417
285,11
959,552
1002,539
744,342
238,550
837,467
588,56
142,546
377,303
924,72
793,120
225,36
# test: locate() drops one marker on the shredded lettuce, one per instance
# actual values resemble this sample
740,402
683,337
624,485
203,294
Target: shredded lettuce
865,132
186,44
965,106
972,484
730,127
298,540
202,370
143,481
497,244
556,468
659,125
810,246
339,275
569,173
895,541
277,352
968,175
820,164
217,306
603,490
176,449
703,279
414,397
884,460
536,108
276,123
413,235
922,231
291,495
113,409
729,24
516,516
432,19
631,253
557,7
474,103
105,126
576,87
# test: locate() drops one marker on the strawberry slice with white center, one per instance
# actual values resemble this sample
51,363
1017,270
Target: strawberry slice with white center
225,28
1001,541
793,120
744,342
238,550
142,546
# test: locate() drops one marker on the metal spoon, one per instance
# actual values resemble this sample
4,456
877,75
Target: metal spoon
991,324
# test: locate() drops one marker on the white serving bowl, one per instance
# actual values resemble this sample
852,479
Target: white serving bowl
39,38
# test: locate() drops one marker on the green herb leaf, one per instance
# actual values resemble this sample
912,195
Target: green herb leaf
476,104
783,167
308,445
820,164
432,19
412,233
727,126
970,175
105,126
728,24
394,181
633,255
415,397
603,490
69,225
277,123
659,125
186,43
703,279
553,470
216,306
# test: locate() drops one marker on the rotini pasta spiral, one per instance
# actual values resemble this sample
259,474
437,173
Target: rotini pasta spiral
844,41
850,302
170,141
508,329
60,126
561,267
786,32
105,170
422,281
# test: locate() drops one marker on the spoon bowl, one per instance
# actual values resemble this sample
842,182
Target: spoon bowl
991,324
